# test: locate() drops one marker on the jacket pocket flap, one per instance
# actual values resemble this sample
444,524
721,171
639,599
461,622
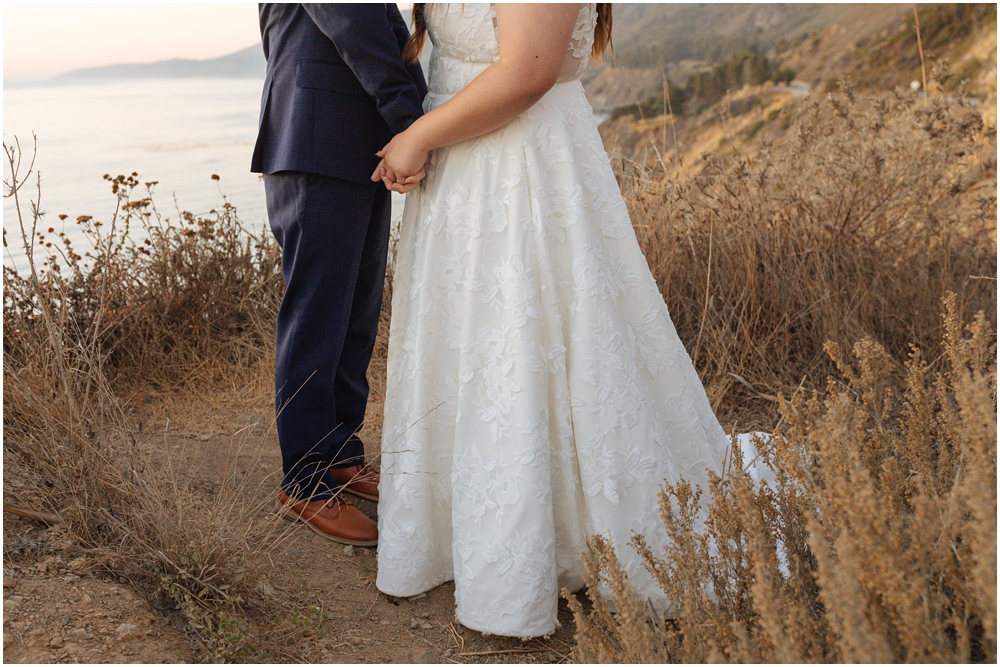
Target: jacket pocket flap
328,76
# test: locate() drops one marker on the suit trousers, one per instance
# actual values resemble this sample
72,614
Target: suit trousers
334,238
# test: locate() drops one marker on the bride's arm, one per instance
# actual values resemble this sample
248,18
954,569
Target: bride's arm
533,39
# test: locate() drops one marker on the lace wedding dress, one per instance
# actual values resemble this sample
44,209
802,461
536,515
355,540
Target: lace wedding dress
537,390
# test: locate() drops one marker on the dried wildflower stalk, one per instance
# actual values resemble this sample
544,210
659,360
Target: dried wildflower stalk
885,510
79,331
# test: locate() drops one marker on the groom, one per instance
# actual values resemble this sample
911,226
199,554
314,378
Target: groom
335,93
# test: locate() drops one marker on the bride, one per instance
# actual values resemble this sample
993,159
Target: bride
538,393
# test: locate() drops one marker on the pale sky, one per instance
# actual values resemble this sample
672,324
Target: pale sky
41,40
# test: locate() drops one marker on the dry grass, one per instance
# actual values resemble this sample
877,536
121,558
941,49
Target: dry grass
878,541
872,211
164,303
877,544
177,310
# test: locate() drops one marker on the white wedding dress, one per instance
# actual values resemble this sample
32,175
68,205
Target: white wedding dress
537,390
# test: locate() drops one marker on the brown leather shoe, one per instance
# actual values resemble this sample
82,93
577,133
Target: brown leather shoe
360,480
335,519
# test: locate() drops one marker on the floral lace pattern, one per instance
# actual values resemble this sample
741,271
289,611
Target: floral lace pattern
538,392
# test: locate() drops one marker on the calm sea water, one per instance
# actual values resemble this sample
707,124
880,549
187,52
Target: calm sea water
175,131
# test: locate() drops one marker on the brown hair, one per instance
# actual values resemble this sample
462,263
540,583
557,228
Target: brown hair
415,44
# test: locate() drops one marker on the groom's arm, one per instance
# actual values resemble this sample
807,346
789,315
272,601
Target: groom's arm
365,40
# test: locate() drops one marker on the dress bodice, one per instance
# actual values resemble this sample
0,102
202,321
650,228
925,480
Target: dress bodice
466,42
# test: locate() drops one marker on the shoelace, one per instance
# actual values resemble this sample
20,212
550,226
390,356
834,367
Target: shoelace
335,502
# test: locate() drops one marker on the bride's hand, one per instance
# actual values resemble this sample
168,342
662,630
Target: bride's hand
402,188
403,158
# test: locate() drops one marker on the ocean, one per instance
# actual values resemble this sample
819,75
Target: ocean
178,132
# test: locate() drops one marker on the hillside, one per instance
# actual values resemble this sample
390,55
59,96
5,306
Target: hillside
248,63
677,40
874,45
659,35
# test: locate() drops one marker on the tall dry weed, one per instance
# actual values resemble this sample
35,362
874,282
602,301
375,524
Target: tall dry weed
855,228
166,303
876,544
81,330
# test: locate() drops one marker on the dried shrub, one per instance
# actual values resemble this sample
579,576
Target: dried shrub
877,542
75,338
166,303
855,228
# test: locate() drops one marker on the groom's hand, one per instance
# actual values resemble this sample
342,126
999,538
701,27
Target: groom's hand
381,174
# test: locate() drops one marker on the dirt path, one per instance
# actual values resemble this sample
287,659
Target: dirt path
56,610
108,623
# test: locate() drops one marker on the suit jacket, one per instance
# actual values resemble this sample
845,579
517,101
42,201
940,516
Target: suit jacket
336,88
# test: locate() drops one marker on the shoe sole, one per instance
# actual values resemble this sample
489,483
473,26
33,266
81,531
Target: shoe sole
289,514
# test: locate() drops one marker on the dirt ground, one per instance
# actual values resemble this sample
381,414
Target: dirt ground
57,610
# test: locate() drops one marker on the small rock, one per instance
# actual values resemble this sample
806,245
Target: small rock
414,623
349,550
137,603
125,629
65,621
78,633
385,621
11,605
70,577
56,642
418,596
425,625
8,581
86,599
266,588
424,657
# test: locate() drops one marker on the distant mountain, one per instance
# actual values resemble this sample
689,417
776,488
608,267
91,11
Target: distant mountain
656,35
246,64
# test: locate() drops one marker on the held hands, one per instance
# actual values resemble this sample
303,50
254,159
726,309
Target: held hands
402,164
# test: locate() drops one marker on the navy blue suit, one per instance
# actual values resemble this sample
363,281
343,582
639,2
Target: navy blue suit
335,93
